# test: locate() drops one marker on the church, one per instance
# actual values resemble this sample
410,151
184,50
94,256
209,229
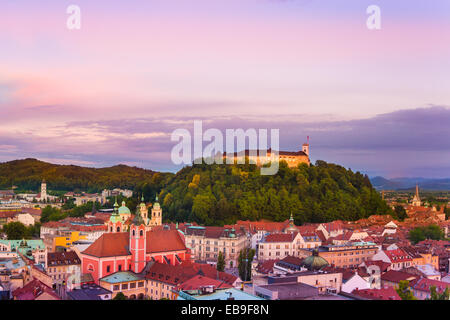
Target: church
131,242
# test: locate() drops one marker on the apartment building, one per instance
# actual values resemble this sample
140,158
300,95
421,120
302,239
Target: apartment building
345,256
206,243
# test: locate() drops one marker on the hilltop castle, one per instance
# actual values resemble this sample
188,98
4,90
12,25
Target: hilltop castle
293,159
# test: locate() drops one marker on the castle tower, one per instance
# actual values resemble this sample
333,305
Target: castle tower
156,219
138,244
305,147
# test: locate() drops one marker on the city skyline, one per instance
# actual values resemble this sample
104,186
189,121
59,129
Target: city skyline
112,92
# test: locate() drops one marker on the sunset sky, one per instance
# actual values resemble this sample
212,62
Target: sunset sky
112,92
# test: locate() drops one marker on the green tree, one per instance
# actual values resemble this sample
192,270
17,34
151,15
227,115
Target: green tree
220,262
434,295
52,214
16,231
120,296
245,263
400,213
404,291
418,234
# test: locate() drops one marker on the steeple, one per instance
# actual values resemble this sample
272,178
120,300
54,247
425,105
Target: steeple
115,215
292,228
416,200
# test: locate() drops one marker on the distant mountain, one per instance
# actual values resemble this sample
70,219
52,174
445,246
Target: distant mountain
381,183
28,174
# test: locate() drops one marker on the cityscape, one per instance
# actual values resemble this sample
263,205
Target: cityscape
223,157
121,244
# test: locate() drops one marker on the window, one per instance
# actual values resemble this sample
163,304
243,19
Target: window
116,287
125,286
141,284
132,285
120,267
141,233
108,269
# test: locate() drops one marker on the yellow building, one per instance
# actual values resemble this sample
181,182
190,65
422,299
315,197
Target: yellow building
66,240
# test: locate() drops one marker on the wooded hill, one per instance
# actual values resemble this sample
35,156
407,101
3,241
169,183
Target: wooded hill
221,194
28,174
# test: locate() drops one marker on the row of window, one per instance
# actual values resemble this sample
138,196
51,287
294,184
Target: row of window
125,286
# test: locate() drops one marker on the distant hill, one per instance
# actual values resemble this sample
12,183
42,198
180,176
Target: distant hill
28,174
381,183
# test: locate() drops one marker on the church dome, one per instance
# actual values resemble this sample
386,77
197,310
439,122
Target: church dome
124,209
315,262
292,228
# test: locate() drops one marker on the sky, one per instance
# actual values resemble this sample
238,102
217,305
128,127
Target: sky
376,101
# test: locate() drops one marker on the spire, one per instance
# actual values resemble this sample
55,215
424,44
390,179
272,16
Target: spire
417,191
116,206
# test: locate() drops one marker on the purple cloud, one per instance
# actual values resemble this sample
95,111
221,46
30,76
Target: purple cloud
402,143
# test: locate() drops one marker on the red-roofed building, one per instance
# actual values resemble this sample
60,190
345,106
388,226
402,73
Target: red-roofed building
392,278
421,287
387,293
332,229
203,284
123,251
164,281
398,258
279,245
35,290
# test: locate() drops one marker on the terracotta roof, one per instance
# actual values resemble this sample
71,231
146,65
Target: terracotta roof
397,276
266,267
291,260
198,281
214,232
397,255
116,244
380,263
263,225
7,214
164,240
333,226
178,274
388,293
109,245
33,290
62,258
424,284
280,237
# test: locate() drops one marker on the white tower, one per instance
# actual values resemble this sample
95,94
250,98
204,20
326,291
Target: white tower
305,147
43,190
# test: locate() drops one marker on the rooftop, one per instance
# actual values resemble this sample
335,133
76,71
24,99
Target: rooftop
122,276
